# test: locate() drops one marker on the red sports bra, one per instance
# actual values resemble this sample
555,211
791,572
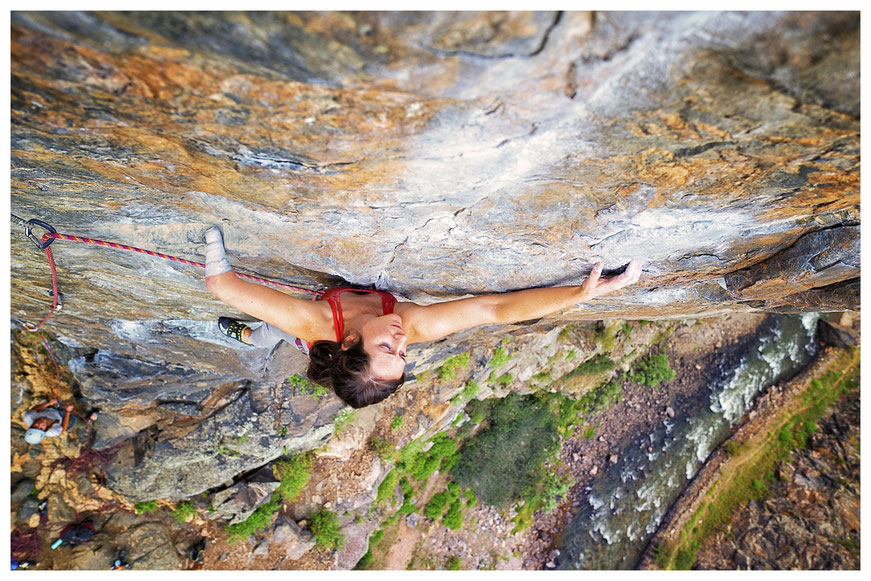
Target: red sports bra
388,301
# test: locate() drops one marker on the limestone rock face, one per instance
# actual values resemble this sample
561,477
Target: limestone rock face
436,155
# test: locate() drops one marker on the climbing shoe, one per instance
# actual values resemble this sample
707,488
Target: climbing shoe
232,328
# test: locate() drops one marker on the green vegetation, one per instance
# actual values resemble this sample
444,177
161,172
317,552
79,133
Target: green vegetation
500,357
469,391
749,471
259,520
407,494
593,366
652,369
385,448
305,387
397,422
183,511
452,364
502,461
146,507
293,474
282,431
542,376
503,379
565,332
387,488
606,336
324,525
442,455
454,564
570,355
343,419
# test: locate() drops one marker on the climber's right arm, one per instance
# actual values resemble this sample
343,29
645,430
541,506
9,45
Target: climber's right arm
295,316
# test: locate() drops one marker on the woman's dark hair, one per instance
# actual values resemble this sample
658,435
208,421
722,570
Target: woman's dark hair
347,373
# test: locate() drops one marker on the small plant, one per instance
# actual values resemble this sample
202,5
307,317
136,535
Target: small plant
325,527
500,357
183,512
454,516
385,449
407,494
469,391
451,365
306,387
259,520
343,419
293,475
146,507
386,489
503,379
652,369
397,422
454,564
570,355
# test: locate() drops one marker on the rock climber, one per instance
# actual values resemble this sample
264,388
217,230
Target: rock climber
356,339
46,420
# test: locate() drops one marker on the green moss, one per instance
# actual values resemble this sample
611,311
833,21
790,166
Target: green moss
305,387
183,511
293,475
454,564
452,364
324,525
500,357
570,355
259,520
147,507
397,422
503,379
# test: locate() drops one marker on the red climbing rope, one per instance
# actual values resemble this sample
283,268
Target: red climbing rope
55,235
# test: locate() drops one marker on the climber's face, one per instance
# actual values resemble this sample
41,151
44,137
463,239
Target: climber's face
42,423
384,341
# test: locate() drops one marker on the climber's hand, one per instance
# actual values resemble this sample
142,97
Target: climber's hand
596,285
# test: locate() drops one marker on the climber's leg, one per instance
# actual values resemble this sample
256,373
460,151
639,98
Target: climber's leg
267,335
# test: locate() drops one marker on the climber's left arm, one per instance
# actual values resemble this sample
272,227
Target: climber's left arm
431,322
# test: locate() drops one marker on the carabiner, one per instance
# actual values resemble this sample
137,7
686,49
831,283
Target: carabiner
28,231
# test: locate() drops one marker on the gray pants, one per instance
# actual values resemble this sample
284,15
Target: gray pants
267,335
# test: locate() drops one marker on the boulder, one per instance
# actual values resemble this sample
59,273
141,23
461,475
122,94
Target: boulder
237,503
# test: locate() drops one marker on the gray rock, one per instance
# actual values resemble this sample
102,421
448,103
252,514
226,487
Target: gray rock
26,509
412,520
295,540
21,490
238,502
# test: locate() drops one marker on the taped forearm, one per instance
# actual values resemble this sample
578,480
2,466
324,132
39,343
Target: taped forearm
216,256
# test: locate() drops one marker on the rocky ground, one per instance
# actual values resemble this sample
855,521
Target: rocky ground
346,472
811,518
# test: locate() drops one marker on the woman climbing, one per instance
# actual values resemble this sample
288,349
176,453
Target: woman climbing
356,339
